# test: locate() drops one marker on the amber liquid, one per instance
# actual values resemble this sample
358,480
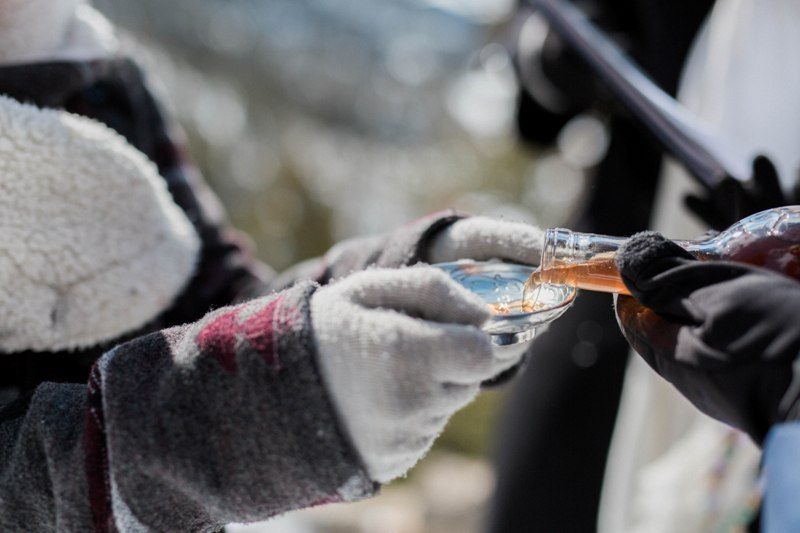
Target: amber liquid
518,306
648,331
779,253
600,275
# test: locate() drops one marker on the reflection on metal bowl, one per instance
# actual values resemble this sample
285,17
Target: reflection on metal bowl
501,285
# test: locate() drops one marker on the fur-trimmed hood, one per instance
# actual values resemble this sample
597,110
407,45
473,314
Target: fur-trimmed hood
91,244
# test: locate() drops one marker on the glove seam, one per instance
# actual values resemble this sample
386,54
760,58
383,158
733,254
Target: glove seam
306,336
338,420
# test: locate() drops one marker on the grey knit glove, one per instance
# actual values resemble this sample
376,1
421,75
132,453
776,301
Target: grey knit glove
399,352
483,238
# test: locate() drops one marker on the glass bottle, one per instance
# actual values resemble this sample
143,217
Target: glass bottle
770,239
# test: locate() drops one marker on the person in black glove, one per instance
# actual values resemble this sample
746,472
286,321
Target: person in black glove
724,334
732,200
555,431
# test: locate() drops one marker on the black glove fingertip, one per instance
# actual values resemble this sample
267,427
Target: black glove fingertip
764,168
705,209
767,183
644,256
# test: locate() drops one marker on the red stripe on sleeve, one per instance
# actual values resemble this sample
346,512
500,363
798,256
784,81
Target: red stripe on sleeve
96,457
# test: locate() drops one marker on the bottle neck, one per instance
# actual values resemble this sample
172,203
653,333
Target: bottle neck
587,260
563,247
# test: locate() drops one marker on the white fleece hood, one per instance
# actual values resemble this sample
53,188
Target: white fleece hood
49,30
91,244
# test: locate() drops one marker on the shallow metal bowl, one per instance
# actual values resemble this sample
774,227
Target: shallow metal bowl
501,286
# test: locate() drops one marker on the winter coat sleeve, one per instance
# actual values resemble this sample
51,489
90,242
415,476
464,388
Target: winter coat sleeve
403,247
185,429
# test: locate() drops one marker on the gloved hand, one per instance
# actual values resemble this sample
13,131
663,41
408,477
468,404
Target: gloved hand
399,352
724,334
733,200
482,238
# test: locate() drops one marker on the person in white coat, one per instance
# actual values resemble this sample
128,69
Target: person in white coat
670,467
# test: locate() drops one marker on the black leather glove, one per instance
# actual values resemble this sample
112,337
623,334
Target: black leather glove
726,335
733,200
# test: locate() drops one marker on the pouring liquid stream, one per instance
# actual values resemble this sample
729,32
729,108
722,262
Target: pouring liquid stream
507,306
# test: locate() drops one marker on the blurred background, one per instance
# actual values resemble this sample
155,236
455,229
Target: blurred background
318,120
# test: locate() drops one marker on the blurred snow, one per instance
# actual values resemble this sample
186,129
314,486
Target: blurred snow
485,11
290,523
317,120
483,99
333,57
445,494
583,141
